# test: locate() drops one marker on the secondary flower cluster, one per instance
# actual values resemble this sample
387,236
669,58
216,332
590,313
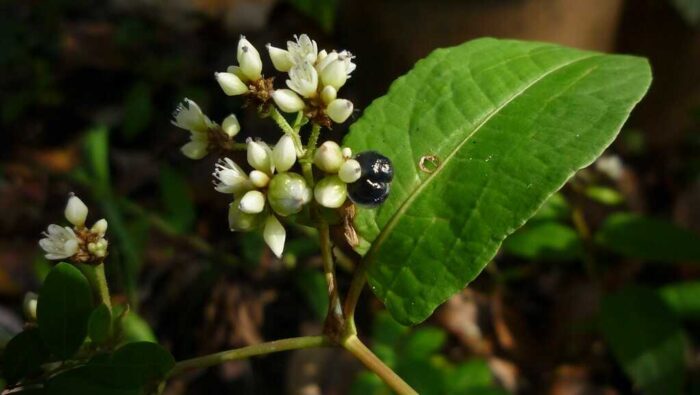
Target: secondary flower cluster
78,244
314,78
205,135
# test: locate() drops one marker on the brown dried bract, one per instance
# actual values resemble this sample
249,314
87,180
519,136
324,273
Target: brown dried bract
348,213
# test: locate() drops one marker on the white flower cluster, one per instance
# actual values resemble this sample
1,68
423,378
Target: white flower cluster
79,243
340,169
268,191
189,116
314,77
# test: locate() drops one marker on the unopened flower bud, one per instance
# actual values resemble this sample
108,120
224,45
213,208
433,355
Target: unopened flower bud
284,154
347,152
288,193
249,59
274,235
76,211
253,202
231,126
330,192
334,74
328,94
240,221
259,156
350,171
99,227
259,178
339,110
281,59
195,149
328,157
29,306
231,84
287,100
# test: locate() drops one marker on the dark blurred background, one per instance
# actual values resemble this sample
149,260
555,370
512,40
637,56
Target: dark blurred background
86,92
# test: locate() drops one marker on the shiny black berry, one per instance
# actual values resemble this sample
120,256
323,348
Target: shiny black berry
368,193
375,166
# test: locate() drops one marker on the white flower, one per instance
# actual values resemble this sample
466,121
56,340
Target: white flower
329,157
76,211
189,116
231,126
197,147
230,178
282,60
274,235
253,202
284,154
303,79
339,110
259,156
331,192
59,243
231,84
287,100
303,50
350,171
249,60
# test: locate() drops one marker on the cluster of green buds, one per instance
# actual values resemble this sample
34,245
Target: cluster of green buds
78,244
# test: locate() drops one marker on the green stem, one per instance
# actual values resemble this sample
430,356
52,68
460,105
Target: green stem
206,361
356,286
287,129
353,344
335,311
307,160
98,280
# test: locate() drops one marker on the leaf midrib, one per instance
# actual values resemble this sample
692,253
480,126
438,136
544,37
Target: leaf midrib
388,229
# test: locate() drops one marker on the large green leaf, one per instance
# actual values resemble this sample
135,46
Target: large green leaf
683,299
23,355
646,339
653,239
509,123
63,310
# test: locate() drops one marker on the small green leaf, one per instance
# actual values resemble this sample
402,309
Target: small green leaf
646,339
548,241
96,146
509,123
131,327
604,195
82,381
637,236
554,208
177,200
137,364
100,324
63,310
23,355
683,299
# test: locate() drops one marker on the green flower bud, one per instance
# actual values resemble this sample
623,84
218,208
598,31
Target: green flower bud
331,192
240,221
288,193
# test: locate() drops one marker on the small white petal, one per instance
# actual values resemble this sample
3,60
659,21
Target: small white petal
76,211
231,126
303,79
282,60
334,74
287,100
350,171
328,94
284,154
70,247
303,50
253,202
274,235
259,178
195,149
330,192
260,156
189,116
99,227
230,178
330,58
249,60
29,305
328,157
339,110
231,84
